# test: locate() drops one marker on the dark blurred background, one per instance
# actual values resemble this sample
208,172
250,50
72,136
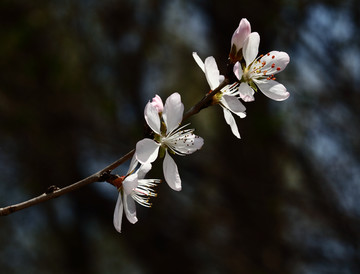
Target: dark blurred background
74,79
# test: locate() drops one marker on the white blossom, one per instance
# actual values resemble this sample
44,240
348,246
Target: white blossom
259,72
227,96
169,138
133,188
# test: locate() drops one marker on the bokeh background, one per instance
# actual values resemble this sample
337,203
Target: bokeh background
74,79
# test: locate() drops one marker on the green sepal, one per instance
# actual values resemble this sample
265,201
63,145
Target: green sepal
163,127
157,138
162,152
253,86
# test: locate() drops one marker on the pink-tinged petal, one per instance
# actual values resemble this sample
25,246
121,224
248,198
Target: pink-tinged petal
130,209
231,122
157,103
145,168
173,112
272,89
130,183
241,33
246,92
146,151
233,104
171,173
118,213
152,117
275,62
238,70
198,61
212,72
251,47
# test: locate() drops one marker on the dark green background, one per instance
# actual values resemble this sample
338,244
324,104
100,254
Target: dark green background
74,79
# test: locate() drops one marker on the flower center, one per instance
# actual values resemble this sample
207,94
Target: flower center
247,74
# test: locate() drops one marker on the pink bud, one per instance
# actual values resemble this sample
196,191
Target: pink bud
157,103
241,33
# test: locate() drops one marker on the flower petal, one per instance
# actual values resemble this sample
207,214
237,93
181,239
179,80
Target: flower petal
231,122
145,168
173,112
152,117
238,70
275,62
198,61
240,34
186,143
251,47
157,103
134,162
272,89
246,92
171,173
234,105
130,209
146,151
130,183
118,213
212,72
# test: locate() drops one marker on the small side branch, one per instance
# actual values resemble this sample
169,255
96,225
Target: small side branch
205,101
54,192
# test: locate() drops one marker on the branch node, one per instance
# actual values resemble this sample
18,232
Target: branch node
51,189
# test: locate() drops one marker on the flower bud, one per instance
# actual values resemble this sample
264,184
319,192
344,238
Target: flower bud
240,34
238,39
157,103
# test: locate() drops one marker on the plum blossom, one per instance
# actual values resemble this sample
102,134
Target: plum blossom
227,96
169,137
133,188
259,72
238,39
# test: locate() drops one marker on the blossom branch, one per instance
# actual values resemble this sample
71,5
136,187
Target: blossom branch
54,191
205,101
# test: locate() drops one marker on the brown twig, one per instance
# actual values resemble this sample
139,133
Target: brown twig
54,191
205,101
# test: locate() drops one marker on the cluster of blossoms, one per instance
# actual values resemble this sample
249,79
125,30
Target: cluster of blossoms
169,138
250,71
